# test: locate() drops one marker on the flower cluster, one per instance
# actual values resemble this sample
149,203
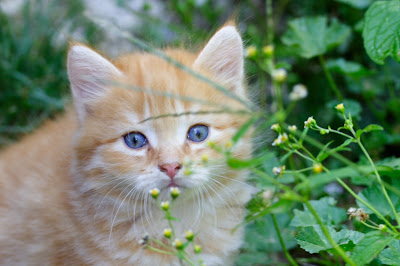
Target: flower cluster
279,170
279,75
174,192
268,50
165,205
310,122
281,139
154,192
340,107
276,127
267,196
317,168
299,92
178,245
292,128
251,52
359,213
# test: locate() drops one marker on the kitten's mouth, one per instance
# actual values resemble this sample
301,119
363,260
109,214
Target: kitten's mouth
173,184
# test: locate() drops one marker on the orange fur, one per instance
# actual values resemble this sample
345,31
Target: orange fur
64,190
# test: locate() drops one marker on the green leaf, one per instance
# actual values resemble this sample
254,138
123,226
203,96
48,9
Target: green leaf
348,68
375,197
359,4
325,207
245,127
322,155
311,36
391,255
317,180
370,246
381,32
341,147
385,170
372,127
239,164
368,128
313,240
261,234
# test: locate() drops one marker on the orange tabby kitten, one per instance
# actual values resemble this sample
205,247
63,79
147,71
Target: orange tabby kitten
76,192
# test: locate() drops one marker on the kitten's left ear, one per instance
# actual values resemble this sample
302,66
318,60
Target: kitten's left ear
223,57
89,74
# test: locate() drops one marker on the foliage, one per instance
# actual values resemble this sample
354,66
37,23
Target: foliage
329,183
382,31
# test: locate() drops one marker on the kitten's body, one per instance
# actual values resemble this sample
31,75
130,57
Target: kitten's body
73,193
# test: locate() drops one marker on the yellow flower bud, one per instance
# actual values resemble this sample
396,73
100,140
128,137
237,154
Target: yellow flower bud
197,249
178,244
268,50
165,205
317,168
340,107
204,158
276,127
154,192
279,75
174,192
189,235
187,171
167,232
228,144
251,52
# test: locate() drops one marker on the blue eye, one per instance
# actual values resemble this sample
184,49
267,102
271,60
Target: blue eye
197,133
135,140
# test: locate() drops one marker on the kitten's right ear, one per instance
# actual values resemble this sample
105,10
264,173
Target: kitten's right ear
223,57
89,74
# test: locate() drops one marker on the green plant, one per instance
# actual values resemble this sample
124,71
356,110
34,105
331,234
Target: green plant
173,246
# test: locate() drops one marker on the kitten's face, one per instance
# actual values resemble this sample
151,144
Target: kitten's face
127,145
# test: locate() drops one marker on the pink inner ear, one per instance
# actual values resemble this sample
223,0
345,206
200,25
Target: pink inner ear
89,74
223,56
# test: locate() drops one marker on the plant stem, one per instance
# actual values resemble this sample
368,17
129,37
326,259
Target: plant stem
370,226
335,246
377,176
270,21
162,244
279,99
328,75
271,179
336,131
344,160
160,251
278,232
303,156
298,171
343,184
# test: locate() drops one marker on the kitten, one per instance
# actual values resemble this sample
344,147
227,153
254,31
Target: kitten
76,192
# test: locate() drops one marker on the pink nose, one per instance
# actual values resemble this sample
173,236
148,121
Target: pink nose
171,169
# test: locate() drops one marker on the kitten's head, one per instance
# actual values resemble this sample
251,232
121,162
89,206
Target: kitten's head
128,143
